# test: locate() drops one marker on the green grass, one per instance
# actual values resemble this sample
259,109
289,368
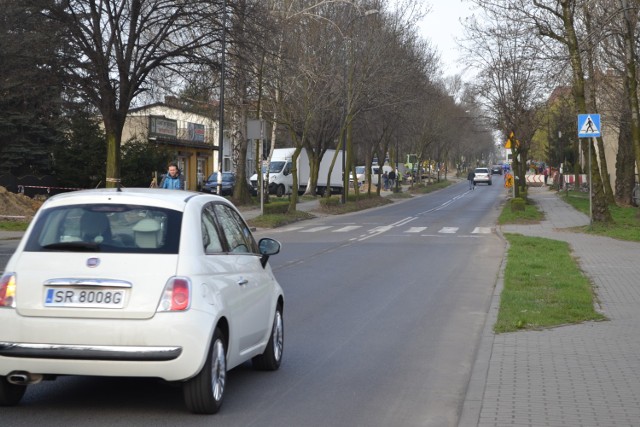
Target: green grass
626,220
543,287
422,188
530,215
278,219
12,225
276,214
354,203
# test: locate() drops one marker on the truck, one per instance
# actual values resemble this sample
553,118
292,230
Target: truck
280,180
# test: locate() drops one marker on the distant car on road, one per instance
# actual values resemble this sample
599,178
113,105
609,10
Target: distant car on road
139,282
496,170
228,184
360,175
482,175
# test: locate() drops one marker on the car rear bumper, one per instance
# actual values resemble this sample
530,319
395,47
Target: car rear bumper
171,346
88,352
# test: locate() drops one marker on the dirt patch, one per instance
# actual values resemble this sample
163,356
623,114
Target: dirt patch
17,205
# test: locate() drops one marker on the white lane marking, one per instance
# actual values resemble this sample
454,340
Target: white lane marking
375,232
404,221
292,228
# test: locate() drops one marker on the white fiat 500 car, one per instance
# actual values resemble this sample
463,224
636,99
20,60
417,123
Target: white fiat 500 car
139,283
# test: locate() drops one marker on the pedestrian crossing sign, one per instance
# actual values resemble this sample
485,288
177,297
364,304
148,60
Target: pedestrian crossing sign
589,126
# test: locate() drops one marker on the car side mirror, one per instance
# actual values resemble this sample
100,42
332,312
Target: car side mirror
268,247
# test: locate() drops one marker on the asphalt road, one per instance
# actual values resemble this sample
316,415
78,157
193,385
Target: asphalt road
6,250
383,316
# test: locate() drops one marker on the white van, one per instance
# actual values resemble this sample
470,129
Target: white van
279,176
374,172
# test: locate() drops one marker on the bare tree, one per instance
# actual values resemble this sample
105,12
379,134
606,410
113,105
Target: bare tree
630,13
510,84
558,23
116,47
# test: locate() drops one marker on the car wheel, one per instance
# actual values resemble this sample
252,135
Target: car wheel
10,394
272,356
489,182
280,190
203,393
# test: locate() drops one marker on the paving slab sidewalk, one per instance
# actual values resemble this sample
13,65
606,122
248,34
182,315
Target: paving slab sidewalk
578,375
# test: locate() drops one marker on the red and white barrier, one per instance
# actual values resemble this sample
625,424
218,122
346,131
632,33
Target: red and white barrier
571,179
535,180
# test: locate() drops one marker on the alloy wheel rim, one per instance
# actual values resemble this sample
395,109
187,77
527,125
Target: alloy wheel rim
218,370
278,336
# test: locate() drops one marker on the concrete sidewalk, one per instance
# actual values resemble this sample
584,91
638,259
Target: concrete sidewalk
575,375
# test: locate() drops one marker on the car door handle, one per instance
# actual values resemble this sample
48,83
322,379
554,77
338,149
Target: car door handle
242,281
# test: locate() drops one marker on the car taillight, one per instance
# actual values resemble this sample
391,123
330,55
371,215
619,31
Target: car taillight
176,295
8,290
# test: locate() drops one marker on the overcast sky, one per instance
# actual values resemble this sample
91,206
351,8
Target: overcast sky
442,26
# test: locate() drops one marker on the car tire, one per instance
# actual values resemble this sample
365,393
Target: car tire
489,182
272,356
203,393
10,394
280,190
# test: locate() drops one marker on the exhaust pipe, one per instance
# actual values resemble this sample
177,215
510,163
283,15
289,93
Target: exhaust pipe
24,378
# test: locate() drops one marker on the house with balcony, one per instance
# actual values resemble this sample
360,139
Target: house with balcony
190,135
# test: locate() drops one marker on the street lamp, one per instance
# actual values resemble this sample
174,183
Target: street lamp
347,111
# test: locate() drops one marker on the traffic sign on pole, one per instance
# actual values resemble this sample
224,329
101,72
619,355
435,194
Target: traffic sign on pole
589,126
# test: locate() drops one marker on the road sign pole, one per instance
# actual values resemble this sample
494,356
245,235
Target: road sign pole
590,187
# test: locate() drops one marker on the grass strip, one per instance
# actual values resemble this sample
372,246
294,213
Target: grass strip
626,219
543,287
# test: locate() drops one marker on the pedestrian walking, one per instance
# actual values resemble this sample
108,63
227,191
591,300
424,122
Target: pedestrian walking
470,178
392,179
173,180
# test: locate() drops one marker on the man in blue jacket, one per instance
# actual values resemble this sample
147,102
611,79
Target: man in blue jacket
173,180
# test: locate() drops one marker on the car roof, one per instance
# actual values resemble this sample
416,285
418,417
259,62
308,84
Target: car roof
479,169
172,199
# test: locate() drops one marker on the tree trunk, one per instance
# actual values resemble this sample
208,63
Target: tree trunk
600,210
632,83
625,164
593,108
113,135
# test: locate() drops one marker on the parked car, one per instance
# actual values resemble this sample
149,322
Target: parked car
228,184
139,283
496,170
482,175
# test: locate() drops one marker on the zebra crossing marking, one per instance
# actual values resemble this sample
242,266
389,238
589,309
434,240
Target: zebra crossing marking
449,230
292,228
314,229
375,231
481,230
346,228
415,230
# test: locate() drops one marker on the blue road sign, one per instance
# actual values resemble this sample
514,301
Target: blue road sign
589,126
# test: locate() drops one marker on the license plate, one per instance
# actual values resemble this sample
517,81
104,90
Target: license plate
82,297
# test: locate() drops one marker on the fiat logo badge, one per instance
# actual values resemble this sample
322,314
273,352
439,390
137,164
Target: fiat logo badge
93,262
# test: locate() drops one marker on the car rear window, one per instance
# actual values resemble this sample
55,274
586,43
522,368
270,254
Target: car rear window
481,170
106,228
